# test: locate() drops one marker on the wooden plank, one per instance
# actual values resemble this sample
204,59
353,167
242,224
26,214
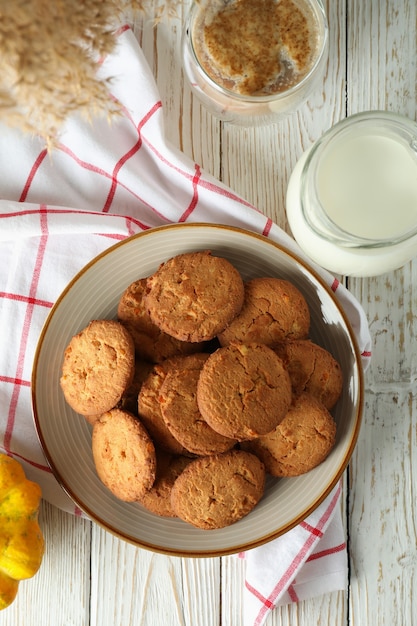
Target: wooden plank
134,586
382,47
201,591
382,519
232,587
382,62
382,501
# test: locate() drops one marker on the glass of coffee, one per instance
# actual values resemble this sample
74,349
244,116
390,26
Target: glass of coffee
254,61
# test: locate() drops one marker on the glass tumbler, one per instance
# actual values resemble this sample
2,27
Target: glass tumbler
252,62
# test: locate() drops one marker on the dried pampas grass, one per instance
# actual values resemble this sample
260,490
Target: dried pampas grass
49,51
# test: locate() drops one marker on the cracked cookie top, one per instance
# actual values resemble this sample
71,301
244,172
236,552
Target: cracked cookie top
300,442
273,310
98,366
244,390
218,490
194,296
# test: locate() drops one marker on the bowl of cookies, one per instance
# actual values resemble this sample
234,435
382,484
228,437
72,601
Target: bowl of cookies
197,390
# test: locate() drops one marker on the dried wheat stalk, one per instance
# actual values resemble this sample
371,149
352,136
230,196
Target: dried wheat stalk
49,51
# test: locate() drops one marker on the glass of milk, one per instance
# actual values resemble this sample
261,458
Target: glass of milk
352,197
252,62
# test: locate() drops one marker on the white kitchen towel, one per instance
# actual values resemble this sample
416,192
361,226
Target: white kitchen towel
102,183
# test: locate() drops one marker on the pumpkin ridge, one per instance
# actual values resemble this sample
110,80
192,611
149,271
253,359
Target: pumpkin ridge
22,543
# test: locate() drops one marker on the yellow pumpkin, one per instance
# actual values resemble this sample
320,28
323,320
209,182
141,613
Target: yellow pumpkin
21,539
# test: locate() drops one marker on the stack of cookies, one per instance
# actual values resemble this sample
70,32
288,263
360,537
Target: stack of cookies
203,385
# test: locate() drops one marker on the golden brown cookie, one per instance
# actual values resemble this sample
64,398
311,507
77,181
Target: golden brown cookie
151,343
243,391
193,296
216,491
158,498
300,442
273,310
149,408
124,455
178,401
312,369
98,366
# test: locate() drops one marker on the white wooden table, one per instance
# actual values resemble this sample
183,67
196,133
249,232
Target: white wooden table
90,578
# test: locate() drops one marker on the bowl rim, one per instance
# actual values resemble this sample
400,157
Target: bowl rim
212,552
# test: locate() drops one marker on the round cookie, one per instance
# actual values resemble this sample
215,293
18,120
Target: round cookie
312,369
179,408
151,343
216,491
158,498
124,455
194,296
149,408
243,391
300,442
273,310
98,366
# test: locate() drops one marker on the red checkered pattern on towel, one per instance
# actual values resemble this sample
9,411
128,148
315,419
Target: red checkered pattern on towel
299,565
103,183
